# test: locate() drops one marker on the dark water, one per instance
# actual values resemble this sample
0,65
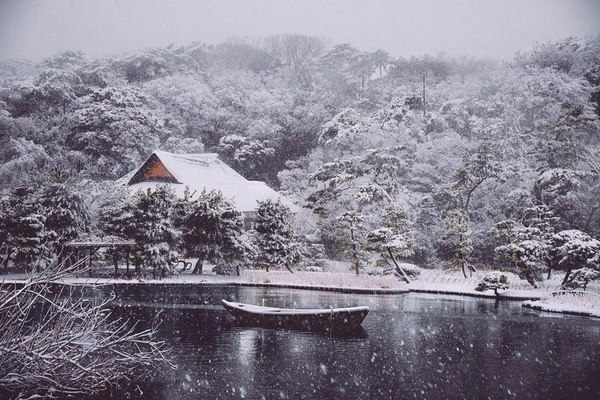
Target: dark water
412,347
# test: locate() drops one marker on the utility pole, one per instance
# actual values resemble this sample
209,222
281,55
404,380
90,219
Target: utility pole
423,97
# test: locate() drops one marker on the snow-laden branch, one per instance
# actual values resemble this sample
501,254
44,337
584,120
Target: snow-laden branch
59,343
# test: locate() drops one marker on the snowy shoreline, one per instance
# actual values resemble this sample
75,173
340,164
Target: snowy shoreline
560,309
339,283
221,282
511,294
340,287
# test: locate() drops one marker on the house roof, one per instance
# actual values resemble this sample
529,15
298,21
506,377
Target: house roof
199,172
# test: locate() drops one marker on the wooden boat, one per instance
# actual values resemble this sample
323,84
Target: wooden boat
331,319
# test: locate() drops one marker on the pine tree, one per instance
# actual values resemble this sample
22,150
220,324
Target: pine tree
527,243
145,218
394,240
458,240
66,214
23,225
211,229
572,249
351,226
274,238
155,234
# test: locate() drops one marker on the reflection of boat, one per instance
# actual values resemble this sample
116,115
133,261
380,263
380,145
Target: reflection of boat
330,319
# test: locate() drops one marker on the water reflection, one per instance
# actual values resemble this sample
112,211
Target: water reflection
412,346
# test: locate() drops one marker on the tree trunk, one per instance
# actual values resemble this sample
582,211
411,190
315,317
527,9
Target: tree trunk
400,271
289,268
471,270
566,278
354,250
460,256
356,261
4,262
530,280
90,260
198,266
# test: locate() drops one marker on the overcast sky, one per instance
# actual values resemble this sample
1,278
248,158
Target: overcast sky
484,28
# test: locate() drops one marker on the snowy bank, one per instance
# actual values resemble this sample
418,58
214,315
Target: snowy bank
322,281
464,290
454,283
568,302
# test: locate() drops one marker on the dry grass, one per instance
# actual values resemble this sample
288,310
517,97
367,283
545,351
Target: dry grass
329,279
456,278
587,300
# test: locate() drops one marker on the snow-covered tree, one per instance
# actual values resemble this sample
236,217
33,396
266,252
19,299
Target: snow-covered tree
581,278
394,241
274,238
23,225
116,128
156,235
146,218
572,249
66,213
526,244
350,225
211,229
457,241
475,170
249,156
493,281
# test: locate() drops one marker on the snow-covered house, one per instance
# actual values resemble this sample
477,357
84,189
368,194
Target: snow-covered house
201,172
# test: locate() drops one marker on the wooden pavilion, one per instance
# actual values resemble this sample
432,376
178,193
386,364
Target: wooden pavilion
77,251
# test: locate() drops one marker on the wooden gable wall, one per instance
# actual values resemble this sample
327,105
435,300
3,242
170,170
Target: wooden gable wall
153,170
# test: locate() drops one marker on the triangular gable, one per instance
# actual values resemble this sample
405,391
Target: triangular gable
153,170
198,172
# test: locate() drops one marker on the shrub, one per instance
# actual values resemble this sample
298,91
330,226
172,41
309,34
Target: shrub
493,281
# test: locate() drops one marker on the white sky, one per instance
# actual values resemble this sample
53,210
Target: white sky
35,29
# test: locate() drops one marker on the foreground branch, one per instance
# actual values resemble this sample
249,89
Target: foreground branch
56,343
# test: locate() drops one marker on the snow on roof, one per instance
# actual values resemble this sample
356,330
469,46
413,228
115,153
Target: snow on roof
206,171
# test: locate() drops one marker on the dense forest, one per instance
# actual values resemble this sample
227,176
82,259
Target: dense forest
449,162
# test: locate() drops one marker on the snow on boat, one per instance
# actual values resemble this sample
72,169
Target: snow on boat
329,319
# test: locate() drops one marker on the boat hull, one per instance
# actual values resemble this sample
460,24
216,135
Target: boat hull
334,319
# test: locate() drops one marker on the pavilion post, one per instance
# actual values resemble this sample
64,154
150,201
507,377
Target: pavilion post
116,263
90,261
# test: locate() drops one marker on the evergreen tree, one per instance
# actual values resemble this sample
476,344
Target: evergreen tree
394,241
274,239
23,225
572,249
458,241
350,225
493,281
527,243
145,218
66,214
211,229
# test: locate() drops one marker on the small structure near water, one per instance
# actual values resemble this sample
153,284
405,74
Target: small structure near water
78,250
198,172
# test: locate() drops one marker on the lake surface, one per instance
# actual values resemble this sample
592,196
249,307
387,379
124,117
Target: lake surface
412,346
